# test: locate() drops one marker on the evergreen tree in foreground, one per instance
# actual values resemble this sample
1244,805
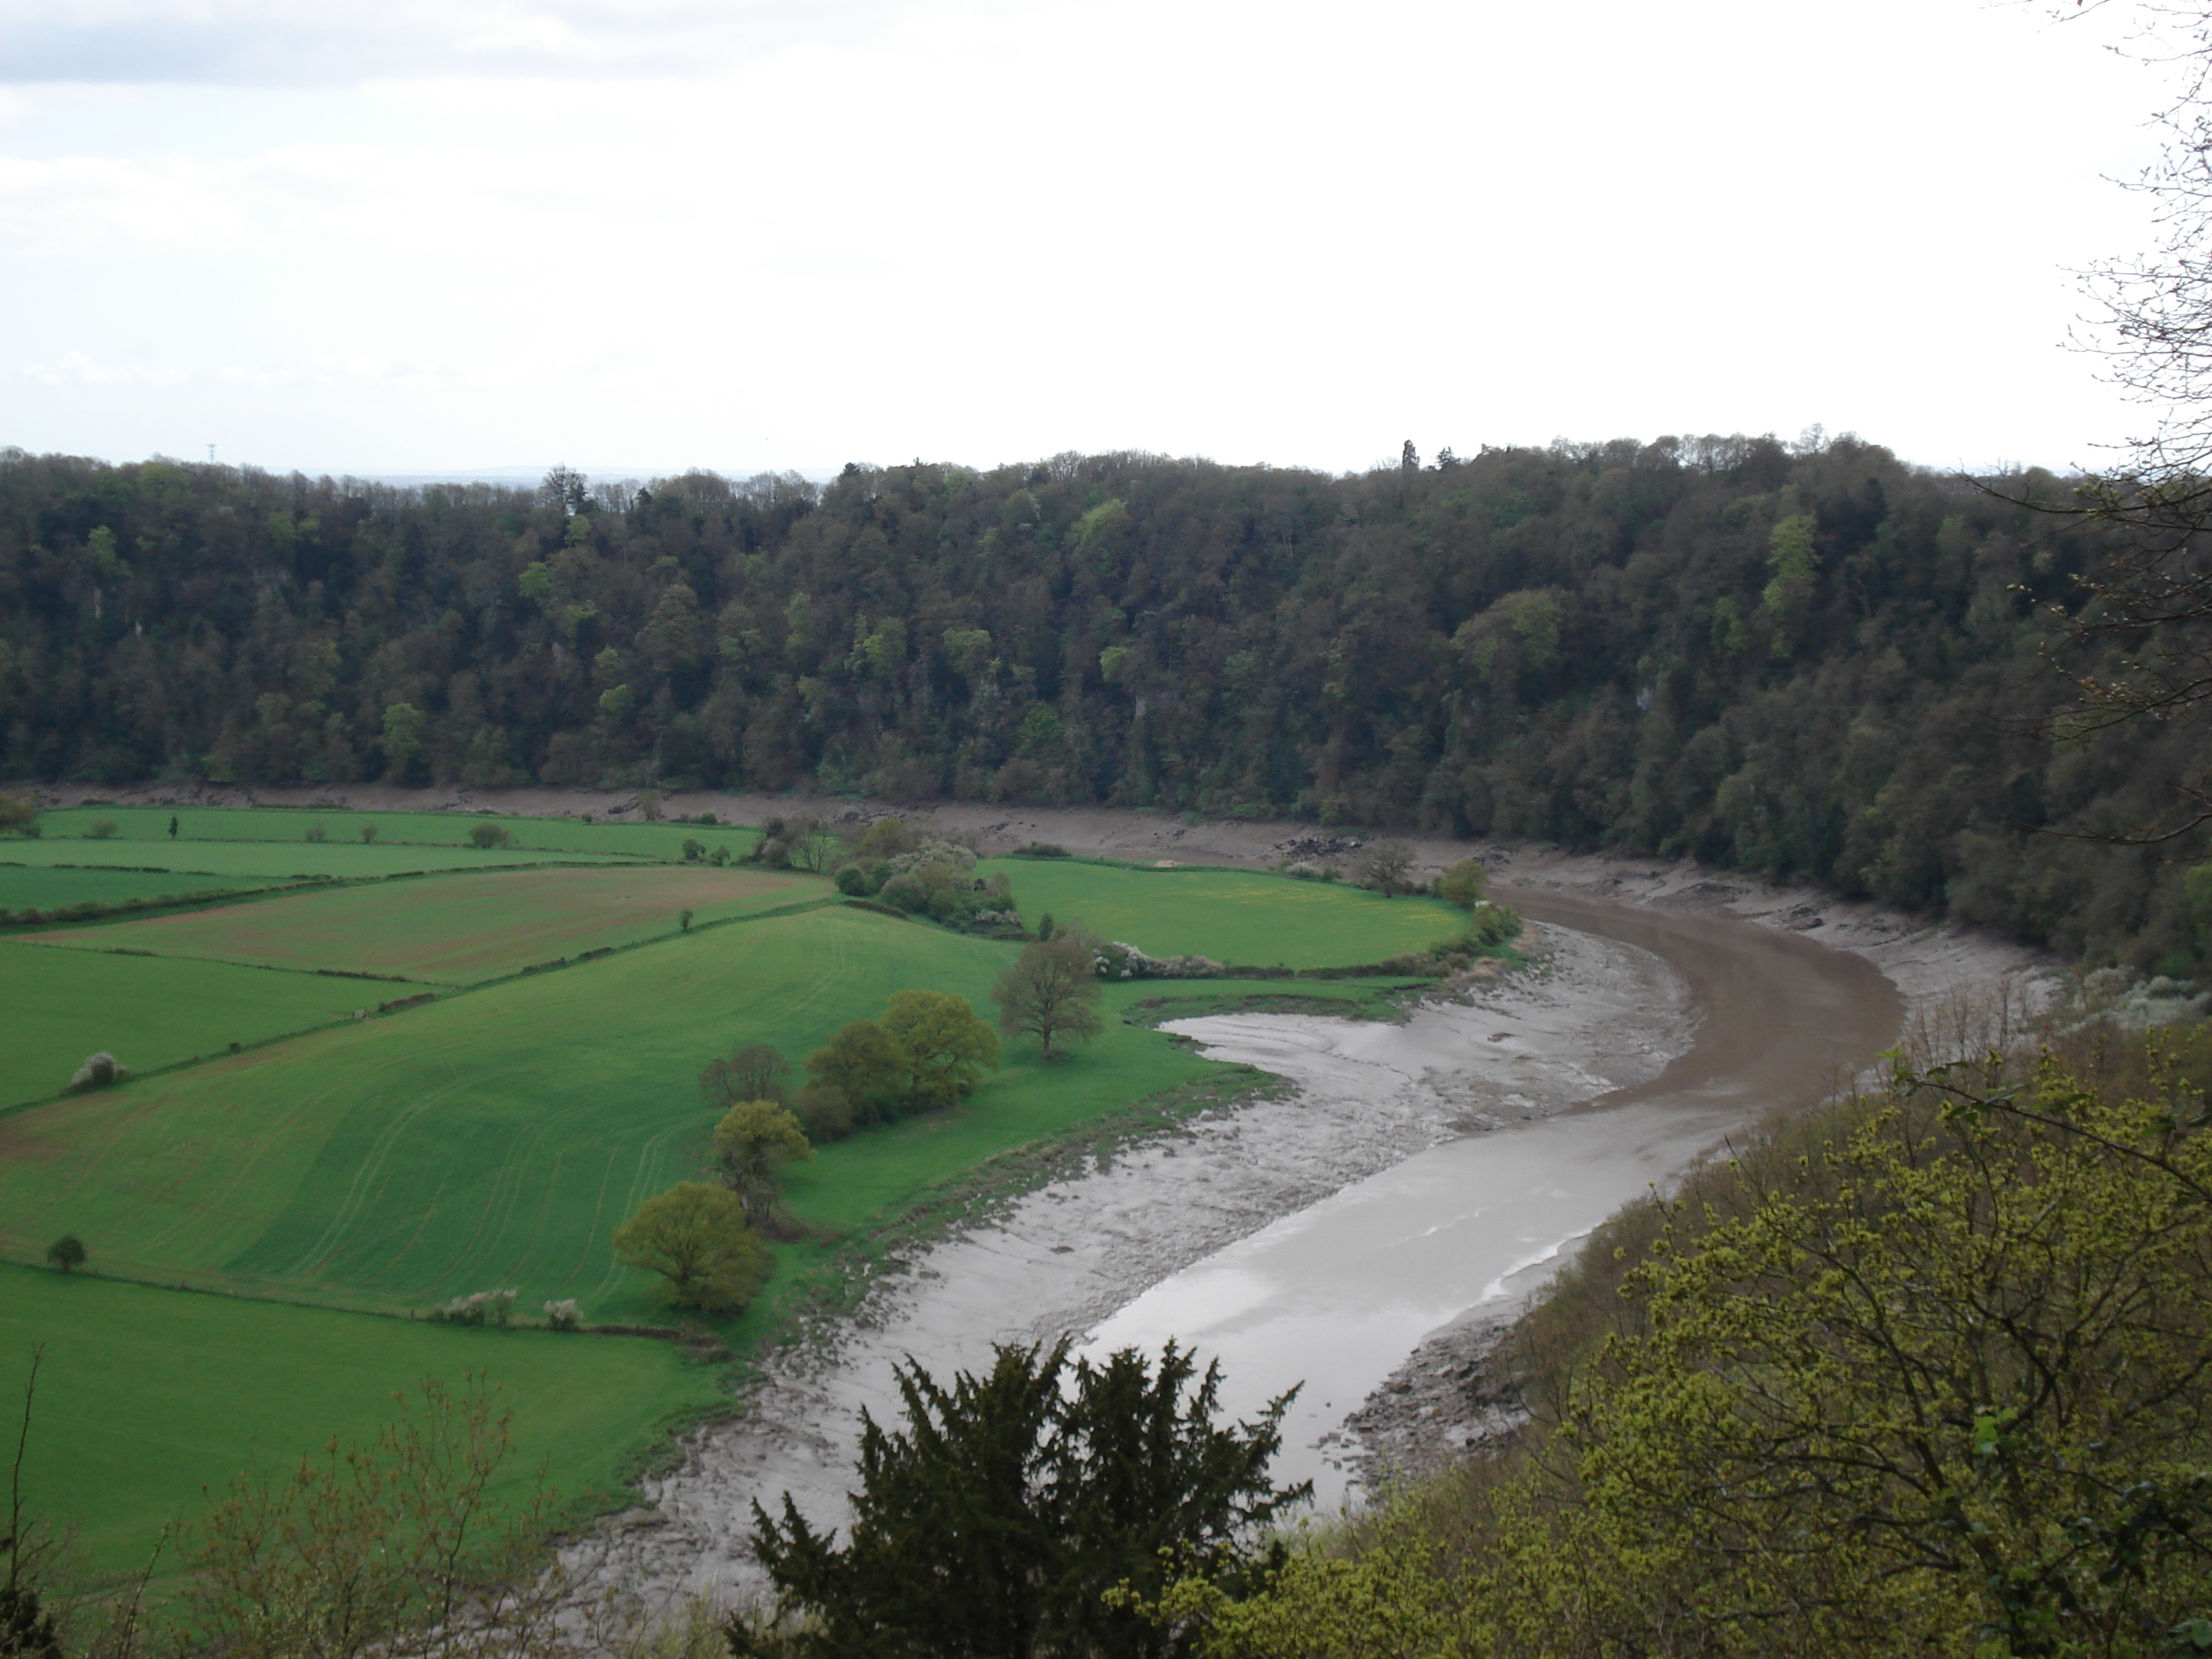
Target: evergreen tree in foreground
994,1523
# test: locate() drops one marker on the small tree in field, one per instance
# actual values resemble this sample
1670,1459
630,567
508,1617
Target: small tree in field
696,1237
1051,993
865,1066
1388,868
754,1071
489,836
17,816
68,1253
755,1139
947,1045
1466,885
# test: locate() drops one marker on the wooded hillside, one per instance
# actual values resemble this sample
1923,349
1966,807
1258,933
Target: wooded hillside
1804,660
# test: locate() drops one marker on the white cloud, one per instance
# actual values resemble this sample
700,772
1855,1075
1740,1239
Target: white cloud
982,231
316,42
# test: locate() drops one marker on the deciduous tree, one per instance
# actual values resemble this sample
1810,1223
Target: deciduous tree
946,1044
696,1237
1050,993
752,1071
1388,867
755,1139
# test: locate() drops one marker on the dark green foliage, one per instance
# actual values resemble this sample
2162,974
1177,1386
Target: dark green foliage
68,1253
992,1525
1807,661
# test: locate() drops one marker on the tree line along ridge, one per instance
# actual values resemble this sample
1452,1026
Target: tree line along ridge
1805,660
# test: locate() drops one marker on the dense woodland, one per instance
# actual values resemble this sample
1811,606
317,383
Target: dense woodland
1805,660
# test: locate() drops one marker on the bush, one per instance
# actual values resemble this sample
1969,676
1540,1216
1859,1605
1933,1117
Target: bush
824,1113
18,816
648,806
100,830
492,1308
489,836
1307,870
852,883
316,832
563,1316
1466,885
1117,960
719,857
1040,849
99,1071
367,833
694,849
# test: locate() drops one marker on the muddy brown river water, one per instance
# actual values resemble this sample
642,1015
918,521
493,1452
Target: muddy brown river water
1331,1299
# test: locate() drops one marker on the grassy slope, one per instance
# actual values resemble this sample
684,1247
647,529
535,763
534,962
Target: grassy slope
221,860
494,1139
33,887
490,1138
147,1396
457,929
278,824
1240,917
62,1006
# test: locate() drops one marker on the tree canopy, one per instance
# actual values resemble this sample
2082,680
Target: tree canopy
1809,660
696,1237
992,1523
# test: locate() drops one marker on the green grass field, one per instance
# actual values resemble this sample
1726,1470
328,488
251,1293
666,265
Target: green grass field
1244,917
456,929
148,1398
35,887
498,1137
200,824
64,1005
492,1137
220,861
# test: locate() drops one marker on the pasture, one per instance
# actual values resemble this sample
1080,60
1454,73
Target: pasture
493,1137
629,837
456,929
253,863
1243,917
47,887
150,1399
496,1138
64,1005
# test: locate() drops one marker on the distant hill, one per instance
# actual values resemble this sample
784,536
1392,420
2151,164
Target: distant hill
1806,662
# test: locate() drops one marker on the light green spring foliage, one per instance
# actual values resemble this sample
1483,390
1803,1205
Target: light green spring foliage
1788,595
1939,1387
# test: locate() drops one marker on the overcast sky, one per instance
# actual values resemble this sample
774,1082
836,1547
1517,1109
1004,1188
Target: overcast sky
639,236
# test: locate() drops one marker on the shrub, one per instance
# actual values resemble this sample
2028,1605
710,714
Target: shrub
367,833
684,922
493,1308
489,836
719,857
824,1112
100,830
18,816
694,849
852,883
1041,849
1117,960
648,806
562,1316
1307,870
99,1071
1466,885
315,832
